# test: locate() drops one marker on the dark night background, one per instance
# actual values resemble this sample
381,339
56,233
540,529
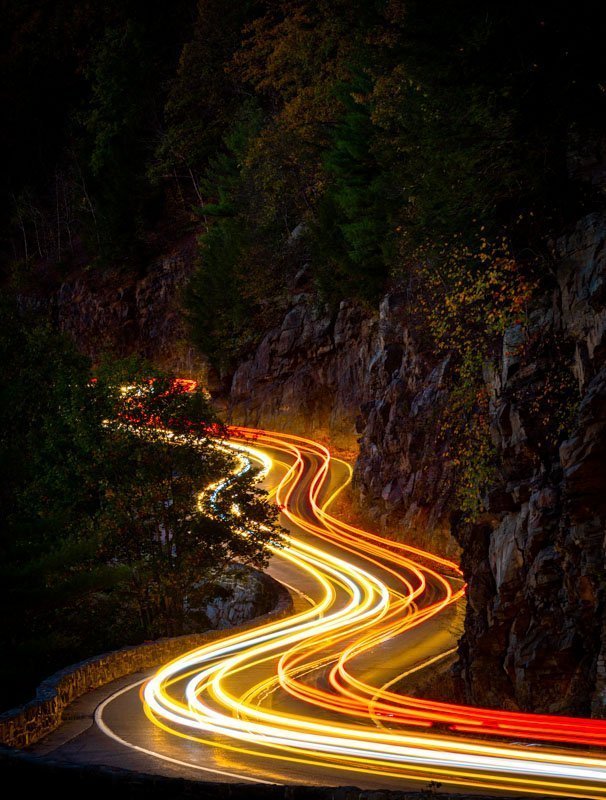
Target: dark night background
348,150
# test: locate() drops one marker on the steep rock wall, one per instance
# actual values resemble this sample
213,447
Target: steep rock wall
535,562
309,373
358,373
119,312
535,628
403,475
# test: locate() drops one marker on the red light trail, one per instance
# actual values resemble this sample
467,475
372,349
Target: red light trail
318,703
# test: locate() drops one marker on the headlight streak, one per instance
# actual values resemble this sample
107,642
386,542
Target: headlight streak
533,726
358,610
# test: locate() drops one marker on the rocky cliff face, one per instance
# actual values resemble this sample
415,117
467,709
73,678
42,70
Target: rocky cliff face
309,373
536,560
242,594
403,475
535,630
121,313
353,374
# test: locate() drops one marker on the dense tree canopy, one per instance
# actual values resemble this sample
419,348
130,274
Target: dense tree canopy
377,125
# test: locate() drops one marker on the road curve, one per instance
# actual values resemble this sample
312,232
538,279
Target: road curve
317,697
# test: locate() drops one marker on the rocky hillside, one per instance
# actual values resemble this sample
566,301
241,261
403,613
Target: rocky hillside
124,313
535,633
354,374
535,558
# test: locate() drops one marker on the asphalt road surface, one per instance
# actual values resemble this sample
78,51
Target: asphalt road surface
322,698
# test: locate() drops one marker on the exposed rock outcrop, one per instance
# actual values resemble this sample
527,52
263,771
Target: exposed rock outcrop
536,561
243,594
351,373
535,630
119,312
403,475
309,374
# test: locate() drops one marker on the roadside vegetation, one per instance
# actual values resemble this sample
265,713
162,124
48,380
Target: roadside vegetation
105,539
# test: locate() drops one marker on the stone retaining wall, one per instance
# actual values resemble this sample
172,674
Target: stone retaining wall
28,724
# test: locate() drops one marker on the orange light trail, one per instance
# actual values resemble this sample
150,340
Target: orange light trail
533,726
372,592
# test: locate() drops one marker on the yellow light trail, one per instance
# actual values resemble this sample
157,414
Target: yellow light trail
371,591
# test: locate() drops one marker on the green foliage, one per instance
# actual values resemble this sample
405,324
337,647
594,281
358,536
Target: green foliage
471,291
45,433
352,231
86,89
468,293
126,75
48,498
201,98
218,311
477,111
473,110
238,269
466,427
114,121
104,541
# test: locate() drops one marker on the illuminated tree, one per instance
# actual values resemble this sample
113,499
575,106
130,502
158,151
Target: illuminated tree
159,456
102,540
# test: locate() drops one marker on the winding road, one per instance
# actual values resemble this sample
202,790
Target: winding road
320,696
